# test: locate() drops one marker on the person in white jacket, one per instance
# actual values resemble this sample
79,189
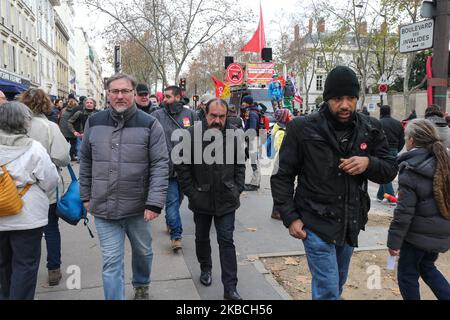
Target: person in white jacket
51,138
27,162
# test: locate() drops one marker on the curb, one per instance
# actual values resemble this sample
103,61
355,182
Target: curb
259,266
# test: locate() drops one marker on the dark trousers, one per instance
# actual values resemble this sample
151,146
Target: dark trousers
73,147
224,228
53,239
20,253
415,263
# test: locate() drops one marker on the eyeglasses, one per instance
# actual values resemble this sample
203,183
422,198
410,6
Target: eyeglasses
122,91
143,94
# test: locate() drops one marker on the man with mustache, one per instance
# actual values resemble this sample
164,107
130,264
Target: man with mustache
332,152
213,190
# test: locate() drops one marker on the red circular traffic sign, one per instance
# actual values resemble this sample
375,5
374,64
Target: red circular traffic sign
383,88
235,74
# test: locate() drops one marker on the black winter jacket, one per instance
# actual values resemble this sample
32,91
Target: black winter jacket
212,189
174,117
394,132
417,219
331,203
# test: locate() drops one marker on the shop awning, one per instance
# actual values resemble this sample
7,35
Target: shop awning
11,87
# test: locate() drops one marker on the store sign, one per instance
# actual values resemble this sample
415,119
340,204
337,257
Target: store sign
10,77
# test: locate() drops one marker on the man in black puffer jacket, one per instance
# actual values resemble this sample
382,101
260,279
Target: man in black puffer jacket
333,153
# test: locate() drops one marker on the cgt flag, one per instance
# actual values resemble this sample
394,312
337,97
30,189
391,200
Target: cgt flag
222,90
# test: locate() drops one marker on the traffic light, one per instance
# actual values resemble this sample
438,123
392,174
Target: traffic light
183,84
195,98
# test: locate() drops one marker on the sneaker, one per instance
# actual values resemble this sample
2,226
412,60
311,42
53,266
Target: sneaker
141,293
176,244
54,277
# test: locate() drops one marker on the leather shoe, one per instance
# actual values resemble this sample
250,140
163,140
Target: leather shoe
205,278
232,295
251,187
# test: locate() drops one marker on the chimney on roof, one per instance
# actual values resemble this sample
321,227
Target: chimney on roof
321,26
296,33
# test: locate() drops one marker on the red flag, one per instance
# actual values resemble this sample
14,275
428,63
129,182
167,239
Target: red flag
258,41
220,86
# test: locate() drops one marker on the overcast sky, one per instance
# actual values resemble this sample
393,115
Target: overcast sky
271,11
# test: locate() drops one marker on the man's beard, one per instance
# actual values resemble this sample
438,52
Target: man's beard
346,120
120,109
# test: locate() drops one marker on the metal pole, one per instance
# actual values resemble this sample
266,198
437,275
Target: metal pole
440,53
195,93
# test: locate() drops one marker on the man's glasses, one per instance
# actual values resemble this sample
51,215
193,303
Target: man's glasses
142,94
122,91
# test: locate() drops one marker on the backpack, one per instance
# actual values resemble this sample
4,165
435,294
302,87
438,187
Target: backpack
10,199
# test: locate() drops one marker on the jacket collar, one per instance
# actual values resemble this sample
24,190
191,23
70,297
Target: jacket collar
127,114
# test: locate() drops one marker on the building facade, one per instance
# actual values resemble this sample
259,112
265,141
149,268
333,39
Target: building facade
67,13
46,33
89,70
62,56
18,46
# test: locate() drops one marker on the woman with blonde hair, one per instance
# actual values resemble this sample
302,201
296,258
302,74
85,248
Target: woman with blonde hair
420,229
50,136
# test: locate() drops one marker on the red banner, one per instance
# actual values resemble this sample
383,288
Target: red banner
260,72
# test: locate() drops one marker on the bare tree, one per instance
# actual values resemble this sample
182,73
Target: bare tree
408,12
173,29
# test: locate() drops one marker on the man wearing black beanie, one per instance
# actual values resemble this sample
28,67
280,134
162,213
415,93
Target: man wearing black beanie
332,153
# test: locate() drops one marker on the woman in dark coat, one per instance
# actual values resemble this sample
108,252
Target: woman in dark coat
420,229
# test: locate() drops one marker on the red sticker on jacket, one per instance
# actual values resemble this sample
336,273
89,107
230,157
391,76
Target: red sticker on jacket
186,122
363,146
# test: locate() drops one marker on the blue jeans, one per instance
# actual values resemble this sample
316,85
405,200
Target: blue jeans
111,234
173,203
53,239
328,265
415,263
387,188
79,141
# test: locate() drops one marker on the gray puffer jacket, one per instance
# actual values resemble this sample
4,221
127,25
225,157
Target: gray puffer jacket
124,164
173,117
417,219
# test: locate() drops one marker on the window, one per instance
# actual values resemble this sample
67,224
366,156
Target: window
320,63
319,83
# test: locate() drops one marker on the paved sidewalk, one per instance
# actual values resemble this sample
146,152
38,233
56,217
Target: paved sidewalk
175,276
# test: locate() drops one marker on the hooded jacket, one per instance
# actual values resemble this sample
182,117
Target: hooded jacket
49,135
28,163
124,164
416,218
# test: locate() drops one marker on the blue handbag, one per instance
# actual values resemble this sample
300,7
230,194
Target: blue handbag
70,207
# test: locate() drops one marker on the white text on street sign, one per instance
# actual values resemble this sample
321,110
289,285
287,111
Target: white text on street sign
416,36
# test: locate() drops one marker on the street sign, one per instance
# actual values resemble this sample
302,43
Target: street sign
383,88
416,36
235,74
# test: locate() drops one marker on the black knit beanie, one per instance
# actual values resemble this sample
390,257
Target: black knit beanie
341,81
